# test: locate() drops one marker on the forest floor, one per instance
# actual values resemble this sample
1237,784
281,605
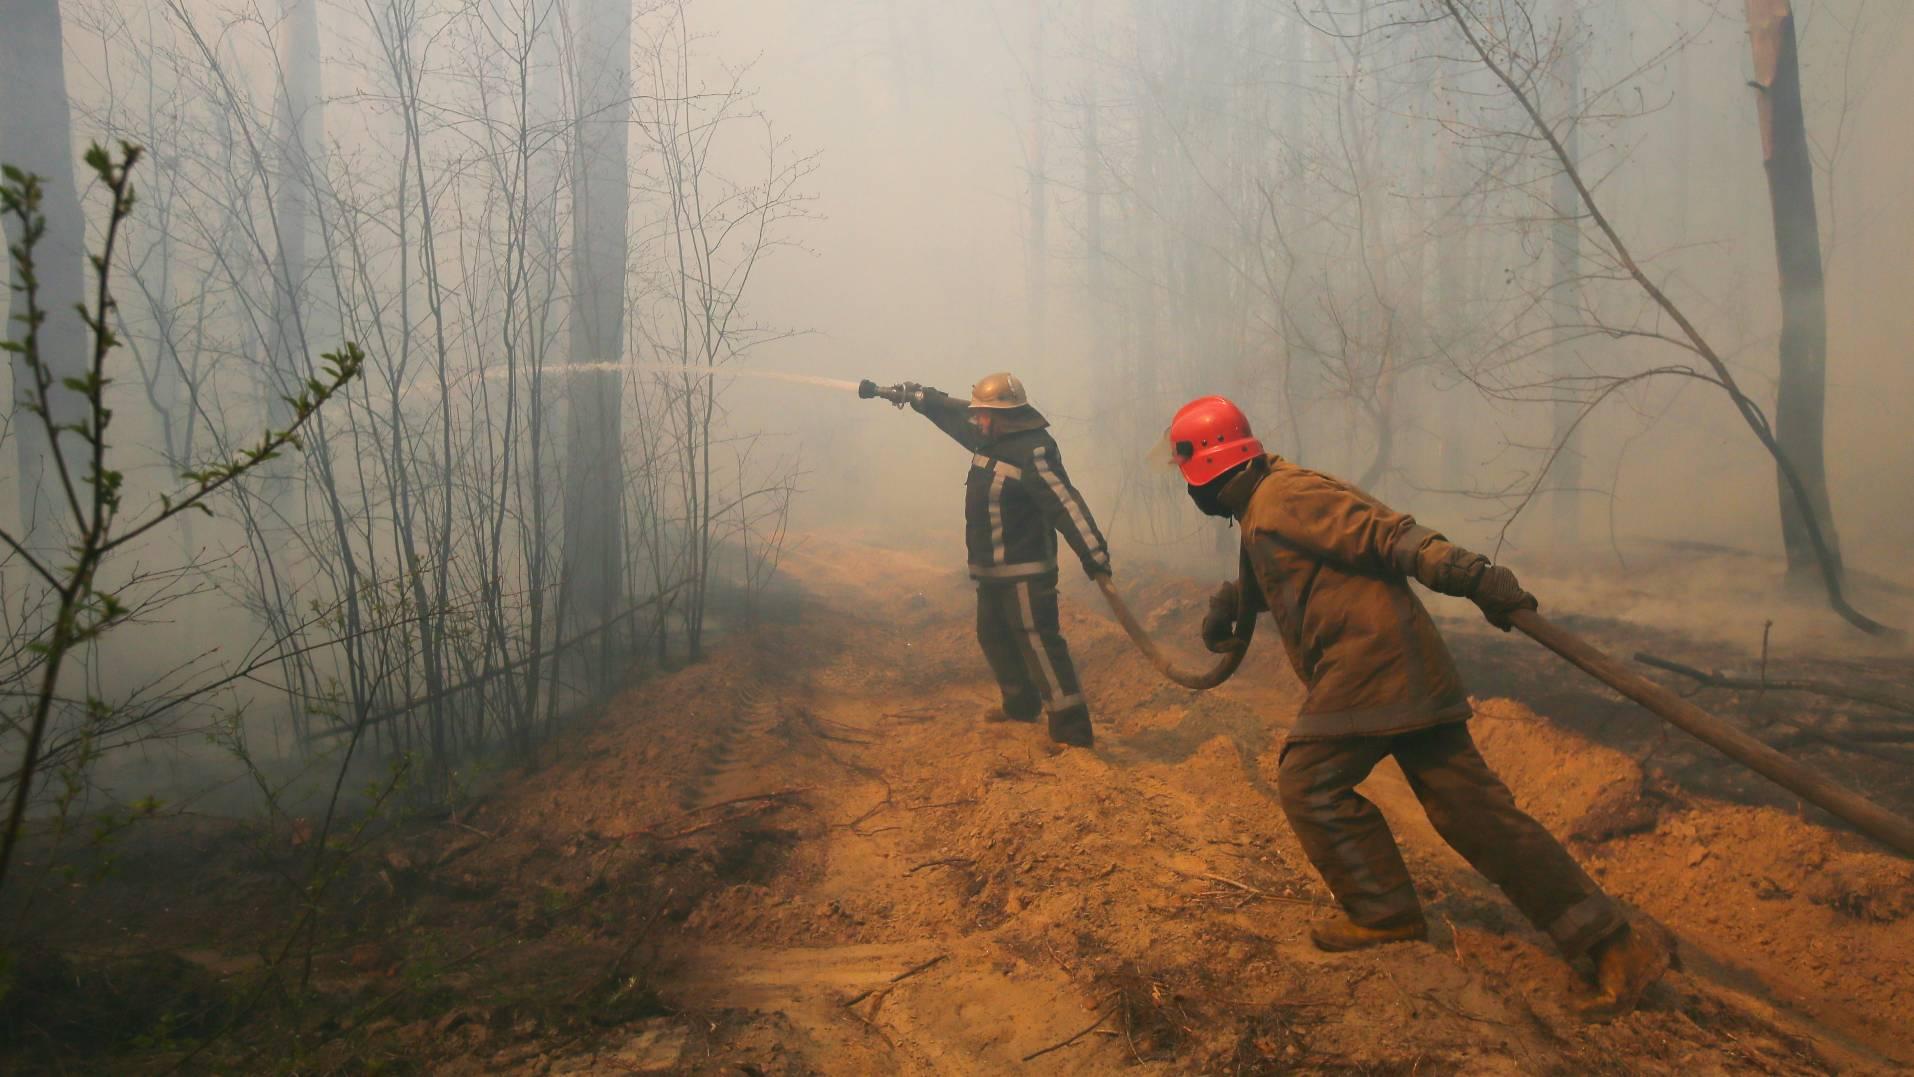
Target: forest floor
805,854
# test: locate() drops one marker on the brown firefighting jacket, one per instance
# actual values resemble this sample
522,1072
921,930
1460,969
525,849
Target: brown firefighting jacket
1331,564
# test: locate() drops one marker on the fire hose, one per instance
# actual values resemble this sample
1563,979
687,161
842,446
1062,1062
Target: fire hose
1221,671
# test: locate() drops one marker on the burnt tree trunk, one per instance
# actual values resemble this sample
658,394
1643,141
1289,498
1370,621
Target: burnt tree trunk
36,136
1800,399
593,580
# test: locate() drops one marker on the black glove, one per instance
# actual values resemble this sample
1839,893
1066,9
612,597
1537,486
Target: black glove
921,397
1219,624
1498,593
1098,569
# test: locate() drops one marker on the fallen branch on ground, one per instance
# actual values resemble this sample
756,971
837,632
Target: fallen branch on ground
1718,679
897,979
1102,1015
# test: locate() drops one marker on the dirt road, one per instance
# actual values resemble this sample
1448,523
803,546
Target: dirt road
994,905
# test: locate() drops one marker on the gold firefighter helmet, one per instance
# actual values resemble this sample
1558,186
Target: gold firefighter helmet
999,391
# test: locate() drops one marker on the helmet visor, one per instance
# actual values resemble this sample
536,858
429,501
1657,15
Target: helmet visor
1171,454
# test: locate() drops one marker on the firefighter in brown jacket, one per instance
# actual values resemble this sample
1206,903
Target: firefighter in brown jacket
1331,565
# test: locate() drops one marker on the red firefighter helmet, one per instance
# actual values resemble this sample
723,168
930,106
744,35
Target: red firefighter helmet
1208,436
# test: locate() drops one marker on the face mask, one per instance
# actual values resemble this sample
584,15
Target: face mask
1208,497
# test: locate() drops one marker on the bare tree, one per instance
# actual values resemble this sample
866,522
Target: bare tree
93,488
1512,61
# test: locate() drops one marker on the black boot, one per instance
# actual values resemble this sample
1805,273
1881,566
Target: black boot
1072,727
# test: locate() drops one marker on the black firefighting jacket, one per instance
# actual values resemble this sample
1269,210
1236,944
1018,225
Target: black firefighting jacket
1017,498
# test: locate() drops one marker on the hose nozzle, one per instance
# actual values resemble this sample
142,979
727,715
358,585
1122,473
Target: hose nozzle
899,395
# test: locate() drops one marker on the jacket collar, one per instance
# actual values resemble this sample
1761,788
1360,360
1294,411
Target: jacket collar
1019,420
1236,493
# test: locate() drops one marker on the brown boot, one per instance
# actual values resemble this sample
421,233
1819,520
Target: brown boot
1626,963
1343,934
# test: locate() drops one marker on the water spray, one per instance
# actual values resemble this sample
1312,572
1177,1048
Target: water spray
703,371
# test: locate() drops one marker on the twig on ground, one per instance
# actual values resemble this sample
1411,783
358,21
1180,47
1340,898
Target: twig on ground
873,810
1248,889
949,861
897,979
468,826
1244,887
1455,940
760,803
1766,628
941,804
1103,1014
1439,1004
779,795
758,809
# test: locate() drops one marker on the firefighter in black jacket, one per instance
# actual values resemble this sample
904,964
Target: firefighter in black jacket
1017,498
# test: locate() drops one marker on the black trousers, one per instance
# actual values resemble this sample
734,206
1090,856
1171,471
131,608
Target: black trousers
1017,628
1348,841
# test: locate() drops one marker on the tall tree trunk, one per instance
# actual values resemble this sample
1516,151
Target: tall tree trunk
594,483
1564,292
1105,391
36,136
1800,402
297,129
1140,372
1037,241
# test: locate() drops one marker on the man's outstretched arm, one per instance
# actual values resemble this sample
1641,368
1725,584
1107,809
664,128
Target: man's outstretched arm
951,415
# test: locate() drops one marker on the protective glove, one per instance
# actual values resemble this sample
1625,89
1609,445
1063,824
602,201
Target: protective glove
1498,593
1219,624
920,396
1097,569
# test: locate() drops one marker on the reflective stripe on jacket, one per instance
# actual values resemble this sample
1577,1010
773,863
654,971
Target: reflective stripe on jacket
1017,499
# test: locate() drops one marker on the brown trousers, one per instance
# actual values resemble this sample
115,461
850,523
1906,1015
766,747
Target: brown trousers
1347,839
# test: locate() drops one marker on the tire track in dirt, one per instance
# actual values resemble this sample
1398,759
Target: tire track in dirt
729,767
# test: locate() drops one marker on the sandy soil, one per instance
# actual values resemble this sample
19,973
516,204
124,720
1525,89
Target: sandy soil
807,855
